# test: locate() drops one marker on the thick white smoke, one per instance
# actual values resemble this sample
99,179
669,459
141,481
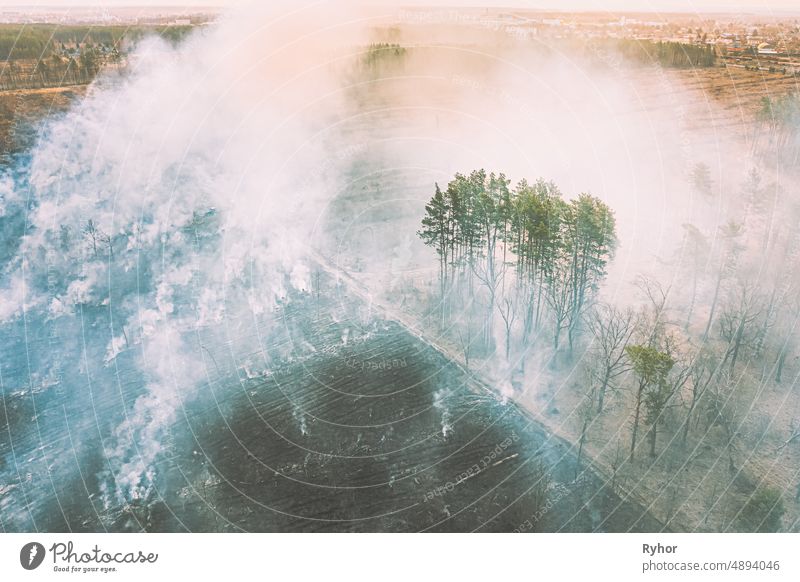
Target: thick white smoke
177,195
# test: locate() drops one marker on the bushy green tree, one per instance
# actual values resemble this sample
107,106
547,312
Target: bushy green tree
652,368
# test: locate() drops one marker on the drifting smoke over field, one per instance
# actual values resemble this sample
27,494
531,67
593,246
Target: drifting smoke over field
177,197
167,216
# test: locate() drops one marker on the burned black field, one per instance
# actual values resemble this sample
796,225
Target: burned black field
380,434
361,427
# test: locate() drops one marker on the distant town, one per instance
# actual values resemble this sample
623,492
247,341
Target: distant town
81,41
139,16
748,40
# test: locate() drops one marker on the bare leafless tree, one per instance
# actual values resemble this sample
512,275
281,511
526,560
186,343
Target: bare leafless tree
508,311
738,314
611,330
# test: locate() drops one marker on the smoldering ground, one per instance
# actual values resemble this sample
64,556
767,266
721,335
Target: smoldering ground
171,198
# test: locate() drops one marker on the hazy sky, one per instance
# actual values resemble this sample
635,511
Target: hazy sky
601,5
761,6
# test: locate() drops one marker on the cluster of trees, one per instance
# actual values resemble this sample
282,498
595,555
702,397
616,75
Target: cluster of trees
378,59
695,359
378,51
666,379
523,252
667,53
633,349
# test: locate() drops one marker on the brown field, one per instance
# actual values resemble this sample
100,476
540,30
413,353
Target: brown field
20,112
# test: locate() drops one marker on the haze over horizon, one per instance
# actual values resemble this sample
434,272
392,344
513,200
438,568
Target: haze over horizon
681,6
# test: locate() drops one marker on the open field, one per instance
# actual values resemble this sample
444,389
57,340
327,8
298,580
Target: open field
22,111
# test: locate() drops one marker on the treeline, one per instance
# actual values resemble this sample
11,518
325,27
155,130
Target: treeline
35,41
40,41
383,50
56,71
664,53
41,56
524,253
381,57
